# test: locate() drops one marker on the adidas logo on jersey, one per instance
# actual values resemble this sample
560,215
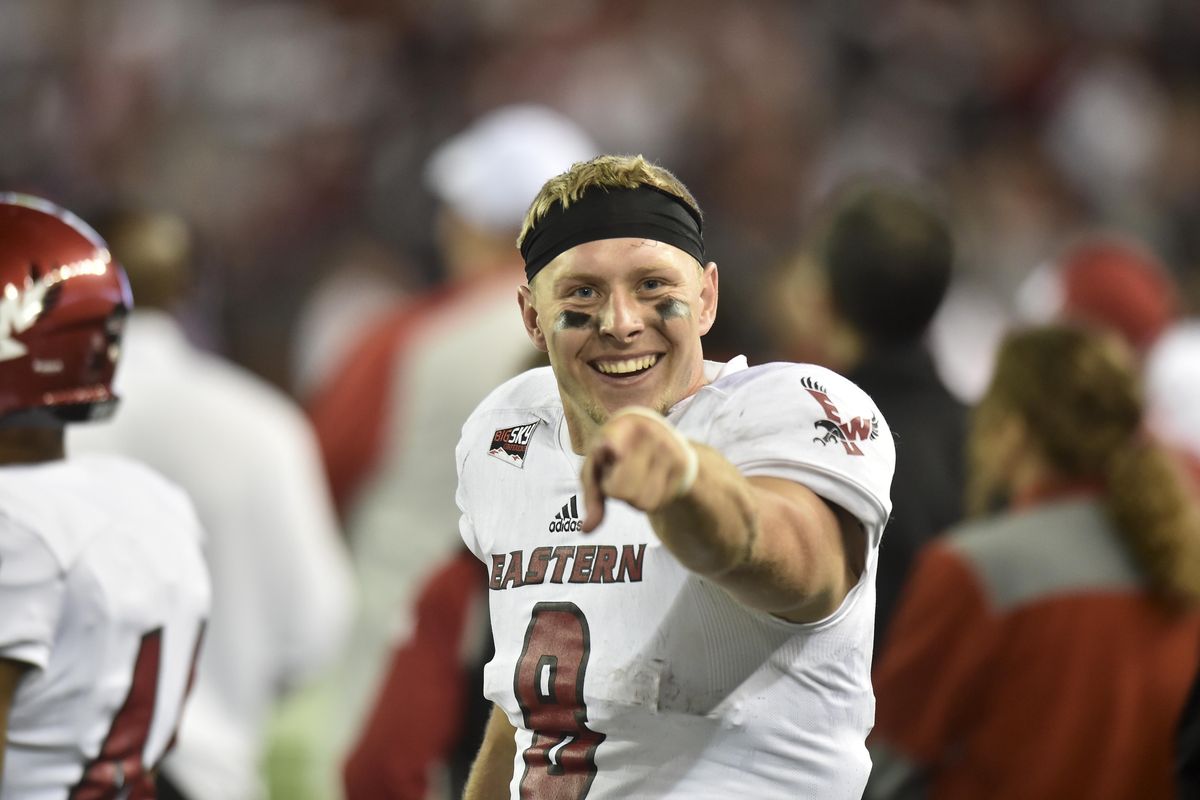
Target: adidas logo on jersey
567,519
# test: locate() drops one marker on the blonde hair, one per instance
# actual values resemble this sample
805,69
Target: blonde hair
609,172
1078,394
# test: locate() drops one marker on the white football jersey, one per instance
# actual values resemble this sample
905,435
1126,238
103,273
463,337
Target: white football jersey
104,592
626,675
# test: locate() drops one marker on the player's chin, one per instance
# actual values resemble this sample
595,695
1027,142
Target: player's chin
613,398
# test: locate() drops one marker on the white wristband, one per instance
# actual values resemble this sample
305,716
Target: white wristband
691,469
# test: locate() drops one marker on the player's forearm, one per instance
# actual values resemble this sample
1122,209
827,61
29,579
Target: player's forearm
712,528
771,543
492,770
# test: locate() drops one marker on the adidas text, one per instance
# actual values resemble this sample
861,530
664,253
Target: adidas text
567,519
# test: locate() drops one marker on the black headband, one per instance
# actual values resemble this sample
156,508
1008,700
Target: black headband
641,213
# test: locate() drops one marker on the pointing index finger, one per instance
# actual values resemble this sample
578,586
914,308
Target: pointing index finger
595,467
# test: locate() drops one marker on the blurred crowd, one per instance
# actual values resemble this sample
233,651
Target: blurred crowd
311,153
292,134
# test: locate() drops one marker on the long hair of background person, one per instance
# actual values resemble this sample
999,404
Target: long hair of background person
1078,394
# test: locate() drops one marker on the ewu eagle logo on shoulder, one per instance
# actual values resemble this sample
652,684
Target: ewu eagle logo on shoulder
509,444
832,429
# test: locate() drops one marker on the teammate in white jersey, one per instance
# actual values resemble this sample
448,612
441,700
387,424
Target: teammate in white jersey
103,589
682,554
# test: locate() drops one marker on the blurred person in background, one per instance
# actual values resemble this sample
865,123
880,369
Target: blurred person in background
1187,746
244,452
103,587
389,416
364,280
1113,280
420,745
428,716
887,258
1047,651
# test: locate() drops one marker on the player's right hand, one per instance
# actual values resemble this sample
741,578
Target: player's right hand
637,457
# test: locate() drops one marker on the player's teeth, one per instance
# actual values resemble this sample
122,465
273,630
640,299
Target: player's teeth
626,366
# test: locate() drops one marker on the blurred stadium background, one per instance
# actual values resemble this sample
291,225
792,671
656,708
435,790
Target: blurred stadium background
292,135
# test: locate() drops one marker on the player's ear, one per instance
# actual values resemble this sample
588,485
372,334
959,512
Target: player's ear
708,297
529,316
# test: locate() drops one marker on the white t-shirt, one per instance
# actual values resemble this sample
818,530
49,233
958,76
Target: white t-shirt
625,674
282,584
104,592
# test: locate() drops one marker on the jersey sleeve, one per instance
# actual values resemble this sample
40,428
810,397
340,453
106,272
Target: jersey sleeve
32,589
810,425
466,527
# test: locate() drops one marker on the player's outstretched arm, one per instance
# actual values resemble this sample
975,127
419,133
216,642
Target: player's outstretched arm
492,771
772,543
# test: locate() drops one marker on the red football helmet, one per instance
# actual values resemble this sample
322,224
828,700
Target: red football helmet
63,302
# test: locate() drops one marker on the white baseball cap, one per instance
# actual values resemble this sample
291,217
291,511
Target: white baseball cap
490,172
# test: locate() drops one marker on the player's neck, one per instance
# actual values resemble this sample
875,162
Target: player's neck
31,445
584,423
580,427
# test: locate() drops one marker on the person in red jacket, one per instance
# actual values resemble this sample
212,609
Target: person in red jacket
1047,651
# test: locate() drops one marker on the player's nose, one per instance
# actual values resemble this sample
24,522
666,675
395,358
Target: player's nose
621,316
